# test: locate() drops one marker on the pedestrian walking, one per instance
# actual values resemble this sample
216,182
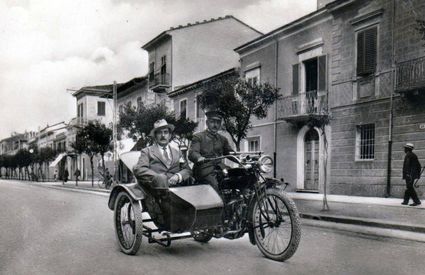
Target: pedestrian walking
65,176
411,171
77,174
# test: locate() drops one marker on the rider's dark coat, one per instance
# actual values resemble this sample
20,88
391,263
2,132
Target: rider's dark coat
153,169
208,145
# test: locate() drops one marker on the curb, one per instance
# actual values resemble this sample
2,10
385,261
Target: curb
364,222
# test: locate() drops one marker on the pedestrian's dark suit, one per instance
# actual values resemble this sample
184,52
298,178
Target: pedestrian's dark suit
411,171
152,169
208,145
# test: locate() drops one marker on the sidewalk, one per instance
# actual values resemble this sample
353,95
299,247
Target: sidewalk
82,185
367,211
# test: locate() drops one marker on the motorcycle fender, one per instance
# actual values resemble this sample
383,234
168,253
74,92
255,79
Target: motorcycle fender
133,189
275,183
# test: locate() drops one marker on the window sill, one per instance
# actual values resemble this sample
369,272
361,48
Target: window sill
364,160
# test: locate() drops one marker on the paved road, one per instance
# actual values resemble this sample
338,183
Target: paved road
49,231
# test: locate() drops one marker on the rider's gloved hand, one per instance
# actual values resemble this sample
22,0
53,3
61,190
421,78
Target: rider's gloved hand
200,159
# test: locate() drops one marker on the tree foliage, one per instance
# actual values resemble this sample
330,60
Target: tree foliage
239,101
94,138
138,122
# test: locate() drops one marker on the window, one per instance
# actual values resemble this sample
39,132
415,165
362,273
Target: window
151,71
80,110
253,76
365,142
183,108
253,144
121,109
315,75
199,111
100,108
366,51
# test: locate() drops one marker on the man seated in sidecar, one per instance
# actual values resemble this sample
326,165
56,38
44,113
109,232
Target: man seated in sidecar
159,165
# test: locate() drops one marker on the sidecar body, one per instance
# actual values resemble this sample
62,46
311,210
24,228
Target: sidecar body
176,209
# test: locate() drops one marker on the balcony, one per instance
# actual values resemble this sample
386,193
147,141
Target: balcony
300,108
411,75
159,82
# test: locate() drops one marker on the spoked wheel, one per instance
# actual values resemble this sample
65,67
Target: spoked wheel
202,237
277,229
128,223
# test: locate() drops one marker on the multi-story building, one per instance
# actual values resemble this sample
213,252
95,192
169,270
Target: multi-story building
186,98
357,67
186,54
11,145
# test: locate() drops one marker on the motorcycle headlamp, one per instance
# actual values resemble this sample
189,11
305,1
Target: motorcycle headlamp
265,164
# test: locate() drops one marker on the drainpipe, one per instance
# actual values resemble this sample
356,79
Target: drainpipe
275,110
390,126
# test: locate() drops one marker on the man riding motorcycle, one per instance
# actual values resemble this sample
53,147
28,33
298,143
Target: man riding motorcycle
208,144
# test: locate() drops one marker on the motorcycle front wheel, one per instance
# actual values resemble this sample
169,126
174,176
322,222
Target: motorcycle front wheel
128,223
276,225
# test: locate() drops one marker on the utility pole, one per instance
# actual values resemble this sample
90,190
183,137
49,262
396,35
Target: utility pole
114,129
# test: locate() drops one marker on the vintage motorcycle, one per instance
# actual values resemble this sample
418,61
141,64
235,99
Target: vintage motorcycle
247,202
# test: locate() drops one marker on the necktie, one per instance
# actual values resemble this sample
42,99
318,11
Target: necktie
166,156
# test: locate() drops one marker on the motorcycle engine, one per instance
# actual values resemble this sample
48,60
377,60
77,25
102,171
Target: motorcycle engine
234,209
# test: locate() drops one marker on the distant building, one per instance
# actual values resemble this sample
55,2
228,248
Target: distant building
186,54
11,145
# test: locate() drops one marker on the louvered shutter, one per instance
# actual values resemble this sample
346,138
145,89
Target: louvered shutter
370,50
322,73
366,51
295,78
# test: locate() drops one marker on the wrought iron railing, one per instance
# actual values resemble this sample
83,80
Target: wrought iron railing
311,102
411,74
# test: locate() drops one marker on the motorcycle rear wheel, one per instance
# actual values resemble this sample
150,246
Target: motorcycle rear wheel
276,222
128,223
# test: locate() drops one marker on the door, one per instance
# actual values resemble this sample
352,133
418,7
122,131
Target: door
311,160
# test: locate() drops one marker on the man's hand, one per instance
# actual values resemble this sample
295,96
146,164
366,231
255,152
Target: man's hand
200,159
174,180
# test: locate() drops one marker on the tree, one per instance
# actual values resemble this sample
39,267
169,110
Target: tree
239,100
137,123
23,160
43,156
94,138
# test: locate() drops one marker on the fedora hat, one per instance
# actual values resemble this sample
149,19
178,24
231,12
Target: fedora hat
160,124
409,146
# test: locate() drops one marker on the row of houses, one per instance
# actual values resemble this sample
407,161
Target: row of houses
351,75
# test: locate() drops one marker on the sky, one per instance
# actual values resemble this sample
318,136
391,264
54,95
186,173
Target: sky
50,46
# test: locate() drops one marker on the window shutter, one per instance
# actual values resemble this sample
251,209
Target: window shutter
322,73
366,51
370,50
295,79
360,53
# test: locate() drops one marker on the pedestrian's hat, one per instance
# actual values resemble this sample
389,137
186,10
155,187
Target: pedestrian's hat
213,114
160,124
409,146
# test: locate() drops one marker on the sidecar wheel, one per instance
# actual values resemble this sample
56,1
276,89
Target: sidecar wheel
128,223
277,228
202,237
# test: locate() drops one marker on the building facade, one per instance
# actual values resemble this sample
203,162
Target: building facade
351,77
187,54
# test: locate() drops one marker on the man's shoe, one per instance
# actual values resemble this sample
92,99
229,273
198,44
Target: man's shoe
415,204
404,203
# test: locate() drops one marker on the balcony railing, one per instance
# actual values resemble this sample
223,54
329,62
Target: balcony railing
303,105
411,75
159,81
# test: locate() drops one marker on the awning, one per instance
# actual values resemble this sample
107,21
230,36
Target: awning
58,158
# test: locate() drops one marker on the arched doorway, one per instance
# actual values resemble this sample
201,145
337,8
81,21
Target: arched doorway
311,160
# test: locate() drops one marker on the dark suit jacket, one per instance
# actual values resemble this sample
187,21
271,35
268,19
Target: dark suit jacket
411,166
152,163
207,145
